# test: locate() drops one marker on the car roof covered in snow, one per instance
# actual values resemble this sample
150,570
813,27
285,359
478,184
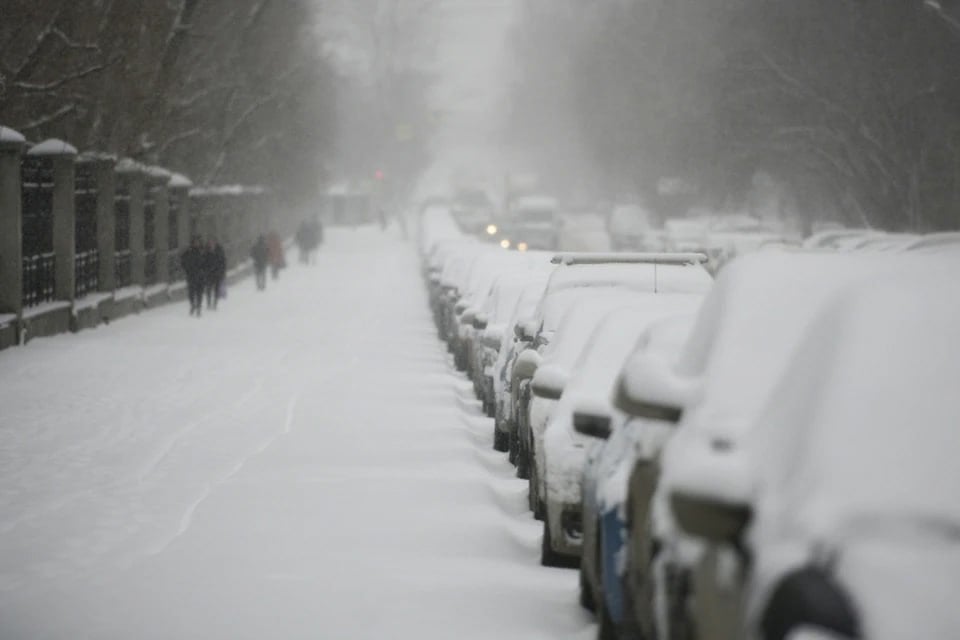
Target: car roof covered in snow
617,336
866,435
750,323
669,278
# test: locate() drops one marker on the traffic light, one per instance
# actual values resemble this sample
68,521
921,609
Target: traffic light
378,174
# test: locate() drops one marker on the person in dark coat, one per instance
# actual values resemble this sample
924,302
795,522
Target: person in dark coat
259,254
215,271
192,262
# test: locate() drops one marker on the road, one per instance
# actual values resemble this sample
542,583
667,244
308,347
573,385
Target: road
301,463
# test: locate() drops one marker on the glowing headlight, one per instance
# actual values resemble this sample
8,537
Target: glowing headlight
522,246
505,243
491,229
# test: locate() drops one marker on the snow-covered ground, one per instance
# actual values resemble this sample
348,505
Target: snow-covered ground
302,463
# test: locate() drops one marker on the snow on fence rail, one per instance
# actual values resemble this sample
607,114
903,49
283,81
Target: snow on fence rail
80,231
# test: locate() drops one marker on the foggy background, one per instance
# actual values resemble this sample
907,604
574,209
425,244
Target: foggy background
820,110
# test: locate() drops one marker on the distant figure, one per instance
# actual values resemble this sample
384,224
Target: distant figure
192,261
275,254
260,253
383,218
215,271
308,237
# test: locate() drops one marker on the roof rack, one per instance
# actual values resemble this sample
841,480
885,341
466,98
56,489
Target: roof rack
569,259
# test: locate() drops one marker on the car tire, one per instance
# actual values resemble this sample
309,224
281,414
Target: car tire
501,440
533,492
549,557
606,629
587,600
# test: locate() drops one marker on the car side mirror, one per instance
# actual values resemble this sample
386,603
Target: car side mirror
526,365
480,321
548,382
460,307
491,338
710,518
649,388
468,317
711,491
593,424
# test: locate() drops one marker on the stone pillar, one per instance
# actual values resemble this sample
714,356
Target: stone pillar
136,186
179,189
106,222
159,179
64,158
11,222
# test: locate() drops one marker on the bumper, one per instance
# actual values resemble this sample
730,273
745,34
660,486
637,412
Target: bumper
566,528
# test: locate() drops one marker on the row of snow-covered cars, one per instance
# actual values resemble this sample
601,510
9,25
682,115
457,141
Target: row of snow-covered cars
774,454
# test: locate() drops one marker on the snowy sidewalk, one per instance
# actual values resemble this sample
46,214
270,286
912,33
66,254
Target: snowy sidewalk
302,463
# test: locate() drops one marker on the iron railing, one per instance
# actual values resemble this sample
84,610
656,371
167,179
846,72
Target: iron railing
39,278
86,272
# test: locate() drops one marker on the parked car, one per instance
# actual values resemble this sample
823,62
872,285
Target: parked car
840,516
649,273
629,441
491,325
583,391
583,230
629,227
746,330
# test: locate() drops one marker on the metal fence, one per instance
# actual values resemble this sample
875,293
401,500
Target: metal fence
38,278
122,271
39,271
87,272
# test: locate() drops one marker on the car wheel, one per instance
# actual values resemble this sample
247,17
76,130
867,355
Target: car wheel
587,600
501,440
607,629
536,501
549,557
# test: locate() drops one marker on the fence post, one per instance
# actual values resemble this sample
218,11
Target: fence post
11,247
63,157
159,178
132,175
179,203
106,221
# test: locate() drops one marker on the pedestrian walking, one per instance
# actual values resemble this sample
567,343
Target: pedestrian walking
275,254
260,255
191,261
304,241
215,271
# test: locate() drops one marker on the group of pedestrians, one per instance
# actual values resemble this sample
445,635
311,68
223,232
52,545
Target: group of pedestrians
205,269
205,264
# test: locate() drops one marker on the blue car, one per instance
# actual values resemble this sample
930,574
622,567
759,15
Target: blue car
617,475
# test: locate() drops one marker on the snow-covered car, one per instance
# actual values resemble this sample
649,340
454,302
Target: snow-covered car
746,330
512,342
840,516
576,275
584,392
491,325
532,223
483,271
626,443
628,226
583,231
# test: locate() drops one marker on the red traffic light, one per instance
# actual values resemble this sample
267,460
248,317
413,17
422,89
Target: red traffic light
378,174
